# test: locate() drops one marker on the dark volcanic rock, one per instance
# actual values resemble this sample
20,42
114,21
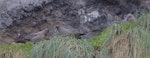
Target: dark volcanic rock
12,10
19,19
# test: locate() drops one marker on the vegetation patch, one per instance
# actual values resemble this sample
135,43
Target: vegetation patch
127,40
63,47
15,50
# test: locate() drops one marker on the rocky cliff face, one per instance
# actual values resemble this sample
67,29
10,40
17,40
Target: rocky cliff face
27,20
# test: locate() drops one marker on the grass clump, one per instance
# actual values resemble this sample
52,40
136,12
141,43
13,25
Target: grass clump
10,53
129,40
99,40
63,47
144,21
15,50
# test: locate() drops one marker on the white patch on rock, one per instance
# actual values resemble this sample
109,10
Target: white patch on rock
91,16
94,14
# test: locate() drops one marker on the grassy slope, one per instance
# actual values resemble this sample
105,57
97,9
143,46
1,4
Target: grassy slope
137,32
137,35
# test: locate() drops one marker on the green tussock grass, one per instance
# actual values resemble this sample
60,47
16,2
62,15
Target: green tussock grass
63,47
107,33
99,40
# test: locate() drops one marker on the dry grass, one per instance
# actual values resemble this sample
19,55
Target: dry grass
10,53
15,50
120,46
